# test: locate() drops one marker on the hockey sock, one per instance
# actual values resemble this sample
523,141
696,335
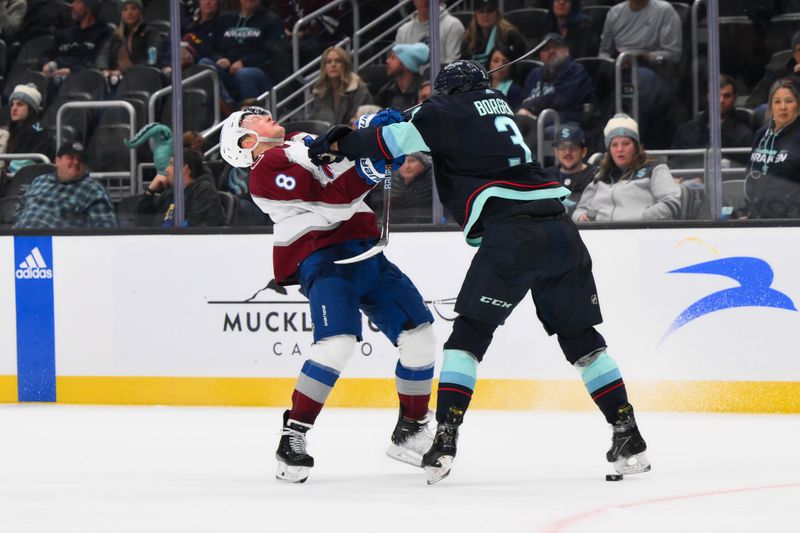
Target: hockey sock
604,382
456,383
313,387
414,389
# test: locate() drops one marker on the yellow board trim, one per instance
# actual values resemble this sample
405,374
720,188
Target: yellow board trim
505,394
8,389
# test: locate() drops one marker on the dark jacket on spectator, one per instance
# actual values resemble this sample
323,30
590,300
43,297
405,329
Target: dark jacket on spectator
142,38
773,183
774,71
736,133
581,39
201,201
566,90
575,182
411,203
254,40
390,94
76,48
200,36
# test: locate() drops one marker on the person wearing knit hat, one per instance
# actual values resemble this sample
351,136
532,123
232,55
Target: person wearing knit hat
621,125
25,134
137,3
413,56
628,186
403,65
28,94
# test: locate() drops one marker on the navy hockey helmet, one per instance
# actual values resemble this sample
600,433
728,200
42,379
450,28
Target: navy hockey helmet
460,77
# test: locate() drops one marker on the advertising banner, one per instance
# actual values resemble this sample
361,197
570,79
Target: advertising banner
696,318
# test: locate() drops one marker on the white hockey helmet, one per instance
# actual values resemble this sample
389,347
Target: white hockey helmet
231,136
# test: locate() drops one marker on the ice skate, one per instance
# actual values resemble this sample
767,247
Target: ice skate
627,451
438,461
294,464
411,439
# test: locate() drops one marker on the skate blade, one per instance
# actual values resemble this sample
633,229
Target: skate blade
438,473
404,455
292,474
635,464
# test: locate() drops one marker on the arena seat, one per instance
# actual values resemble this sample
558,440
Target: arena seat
529,21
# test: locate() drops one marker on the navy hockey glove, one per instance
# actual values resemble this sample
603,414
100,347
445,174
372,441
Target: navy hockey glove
374,170
319,150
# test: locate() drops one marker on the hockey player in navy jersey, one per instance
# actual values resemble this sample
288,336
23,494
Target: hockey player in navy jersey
509,208
320,217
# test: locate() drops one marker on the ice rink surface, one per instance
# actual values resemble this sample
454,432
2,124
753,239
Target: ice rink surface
183,469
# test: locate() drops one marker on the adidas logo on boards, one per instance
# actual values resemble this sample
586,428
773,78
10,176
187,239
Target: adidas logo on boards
34,267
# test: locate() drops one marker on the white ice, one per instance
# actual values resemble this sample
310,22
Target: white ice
94,469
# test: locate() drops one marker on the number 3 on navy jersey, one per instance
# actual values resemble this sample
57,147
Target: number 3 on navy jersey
285,182
507,124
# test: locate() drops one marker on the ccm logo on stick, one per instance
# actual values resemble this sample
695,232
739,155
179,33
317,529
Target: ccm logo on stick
498,303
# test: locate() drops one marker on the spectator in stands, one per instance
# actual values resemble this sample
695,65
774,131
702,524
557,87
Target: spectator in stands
77,47
503,79
25,134
403,66
571,168
201,199
736,129
418,29
245,44
651,29
12,16
202,30
412,191
315,35
425,91
67,198
772,186
488,29
628,186
193,140
566,18
132,43
561,84
790,68
339,91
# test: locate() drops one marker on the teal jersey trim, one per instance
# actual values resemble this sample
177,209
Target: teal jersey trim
403,138
508,194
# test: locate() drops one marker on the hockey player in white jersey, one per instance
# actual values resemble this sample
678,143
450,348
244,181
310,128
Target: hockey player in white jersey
320,217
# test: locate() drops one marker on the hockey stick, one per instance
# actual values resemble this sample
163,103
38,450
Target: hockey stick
383,241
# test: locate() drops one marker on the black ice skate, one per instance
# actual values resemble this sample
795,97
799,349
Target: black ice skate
627,451
439,459
294,463
411,439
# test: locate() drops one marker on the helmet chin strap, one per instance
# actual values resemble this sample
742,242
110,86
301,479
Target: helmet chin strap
270,139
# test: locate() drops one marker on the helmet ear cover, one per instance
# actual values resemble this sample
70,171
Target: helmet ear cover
230,142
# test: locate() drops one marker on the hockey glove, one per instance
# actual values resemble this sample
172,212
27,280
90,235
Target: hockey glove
374,170
319,150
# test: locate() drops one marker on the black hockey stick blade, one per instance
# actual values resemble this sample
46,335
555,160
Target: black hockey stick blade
383,241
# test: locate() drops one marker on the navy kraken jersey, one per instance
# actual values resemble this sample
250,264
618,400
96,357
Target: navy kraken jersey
478,154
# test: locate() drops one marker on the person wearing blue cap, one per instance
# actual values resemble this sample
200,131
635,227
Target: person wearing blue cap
571,169
403,65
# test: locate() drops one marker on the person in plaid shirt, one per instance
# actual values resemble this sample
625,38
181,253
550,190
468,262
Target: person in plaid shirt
67,198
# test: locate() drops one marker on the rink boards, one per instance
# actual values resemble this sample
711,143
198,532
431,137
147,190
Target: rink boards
697,319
